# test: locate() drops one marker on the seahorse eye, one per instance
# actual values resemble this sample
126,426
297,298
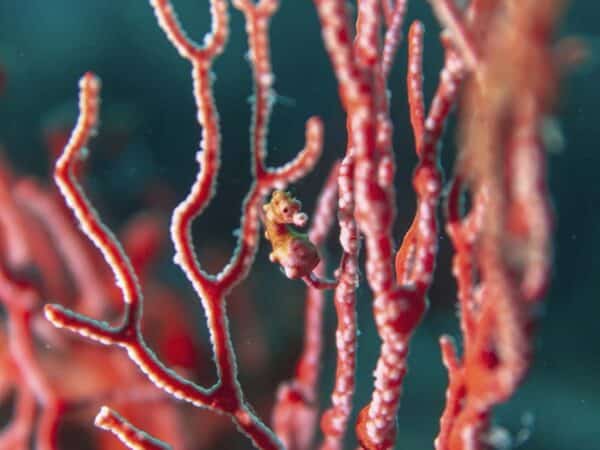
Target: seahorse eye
285,210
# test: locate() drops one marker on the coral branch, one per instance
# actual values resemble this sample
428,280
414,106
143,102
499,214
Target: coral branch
132,437
335,419
296,409
88,218
18,301
495,240
127,333
226,395
414,81
450,17
393,36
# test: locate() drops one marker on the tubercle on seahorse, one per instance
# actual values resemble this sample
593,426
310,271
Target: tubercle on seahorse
291,249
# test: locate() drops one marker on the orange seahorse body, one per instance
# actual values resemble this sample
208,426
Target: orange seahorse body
291,249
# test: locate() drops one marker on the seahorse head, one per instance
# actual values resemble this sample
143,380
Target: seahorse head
284,208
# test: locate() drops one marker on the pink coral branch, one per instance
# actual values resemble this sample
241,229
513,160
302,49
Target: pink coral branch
226,395
126,334
450,17
414,81
367,33
89,283
88,218
334,421
16,435
393,35
132,437
295,412
19,300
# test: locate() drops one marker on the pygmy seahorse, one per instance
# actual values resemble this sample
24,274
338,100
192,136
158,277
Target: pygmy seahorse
292,249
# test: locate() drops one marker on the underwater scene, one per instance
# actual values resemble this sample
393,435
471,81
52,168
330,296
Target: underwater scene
286,224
